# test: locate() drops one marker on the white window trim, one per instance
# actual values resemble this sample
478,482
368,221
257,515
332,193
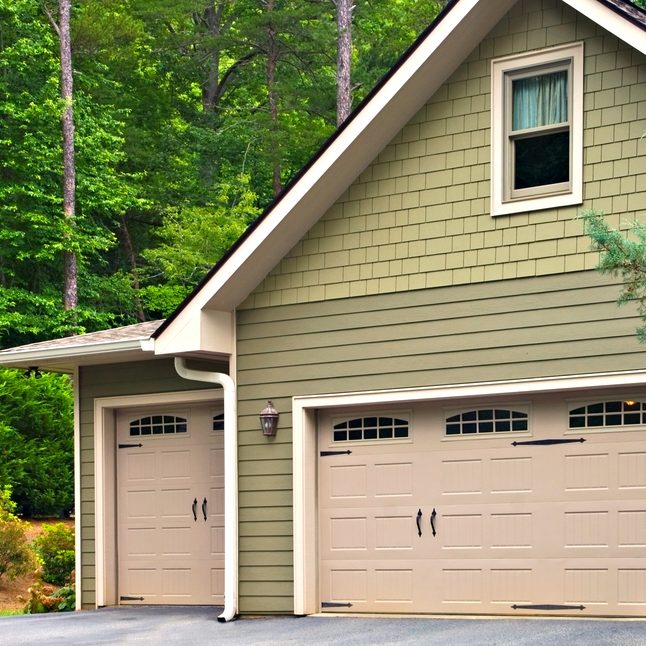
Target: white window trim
500,68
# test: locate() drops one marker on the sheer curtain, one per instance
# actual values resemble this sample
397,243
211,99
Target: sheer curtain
539,100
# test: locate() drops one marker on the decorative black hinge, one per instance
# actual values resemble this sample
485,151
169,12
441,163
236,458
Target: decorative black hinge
335,604
546,606
130,446
325,454
129,598
548,442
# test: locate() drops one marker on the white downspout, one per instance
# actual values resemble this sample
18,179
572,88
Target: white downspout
230,481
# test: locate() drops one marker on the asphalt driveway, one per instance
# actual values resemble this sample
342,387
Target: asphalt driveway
191,626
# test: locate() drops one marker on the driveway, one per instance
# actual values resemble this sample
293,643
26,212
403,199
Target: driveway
191,626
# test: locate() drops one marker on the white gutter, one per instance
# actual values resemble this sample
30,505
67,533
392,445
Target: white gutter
230,481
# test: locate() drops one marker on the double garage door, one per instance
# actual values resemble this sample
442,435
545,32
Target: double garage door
515,507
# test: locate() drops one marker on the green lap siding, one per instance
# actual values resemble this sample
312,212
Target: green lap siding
526,328
408,281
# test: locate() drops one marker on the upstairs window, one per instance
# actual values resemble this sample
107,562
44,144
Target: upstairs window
537,130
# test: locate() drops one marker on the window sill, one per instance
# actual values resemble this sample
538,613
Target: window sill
536,204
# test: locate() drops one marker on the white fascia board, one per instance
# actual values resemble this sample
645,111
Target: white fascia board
612,22
397,101
480,389
24,358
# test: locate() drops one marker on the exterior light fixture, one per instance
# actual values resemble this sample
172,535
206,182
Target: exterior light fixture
269,420
33,371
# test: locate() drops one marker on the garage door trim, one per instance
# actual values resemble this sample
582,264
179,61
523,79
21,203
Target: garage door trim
105,477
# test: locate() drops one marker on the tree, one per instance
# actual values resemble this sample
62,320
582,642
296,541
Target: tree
621,256
70,268
344,10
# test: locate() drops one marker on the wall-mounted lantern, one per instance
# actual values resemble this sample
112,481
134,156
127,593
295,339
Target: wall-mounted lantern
269,420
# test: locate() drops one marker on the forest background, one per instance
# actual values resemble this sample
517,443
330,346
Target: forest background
190,117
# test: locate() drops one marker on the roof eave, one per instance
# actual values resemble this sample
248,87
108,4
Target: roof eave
66,359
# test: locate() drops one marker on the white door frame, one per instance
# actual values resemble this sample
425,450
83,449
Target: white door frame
305,454
105,476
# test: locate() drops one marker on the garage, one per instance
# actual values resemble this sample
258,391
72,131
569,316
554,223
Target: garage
530,505
170,505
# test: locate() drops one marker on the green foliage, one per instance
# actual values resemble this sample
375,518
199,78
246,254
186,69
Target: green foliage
171,105
40,601
55,547
16,556
36,442
192,240
624,256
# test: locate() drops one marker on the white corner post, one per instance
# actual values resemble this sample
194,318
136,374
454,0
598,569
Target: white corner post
230,481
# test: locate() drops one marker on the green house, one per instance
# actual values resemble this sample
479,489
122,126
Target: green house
461,405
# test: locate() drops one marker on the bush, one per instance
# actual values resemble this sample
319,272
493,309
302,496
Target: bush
40,600
55,546
37,442
16,556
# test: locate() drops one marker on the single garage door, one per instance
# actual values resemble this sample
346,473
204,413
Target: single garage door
170,506
508,507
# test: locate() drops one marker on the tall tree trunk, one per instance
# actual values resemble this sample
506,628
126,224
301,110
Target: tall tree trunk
272,95
344,10
212,18
70,277
126,241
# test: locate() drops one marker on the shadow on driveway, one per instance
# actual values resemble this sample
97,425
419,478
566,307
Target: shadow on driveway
192,626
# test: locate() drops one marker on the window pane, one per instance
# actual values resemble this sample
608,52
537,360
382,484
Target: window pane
539,100
541,160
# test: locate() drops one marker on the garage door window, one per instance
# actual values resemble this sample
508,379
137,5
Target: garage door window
608,413
487,420
371,428
158,425
218,422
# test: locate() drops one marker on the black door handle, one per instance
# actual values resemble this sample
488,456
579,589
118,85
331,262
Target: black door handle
433,514
204,508
419,525
194,508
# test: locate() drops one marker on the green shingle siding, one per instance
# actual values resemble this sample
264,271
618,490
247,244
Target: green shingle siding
419,215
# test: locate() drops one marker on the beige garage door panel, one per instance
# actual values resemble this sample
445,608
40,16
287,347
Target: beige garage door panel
563,524
170,513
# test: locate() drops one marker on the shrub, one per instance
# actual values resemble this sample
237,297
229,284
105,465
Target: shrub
41,600
16,556
55,546
36,442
